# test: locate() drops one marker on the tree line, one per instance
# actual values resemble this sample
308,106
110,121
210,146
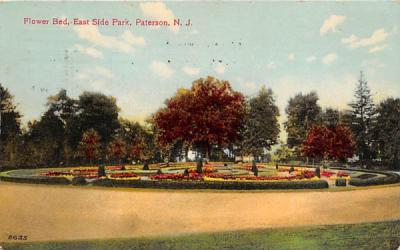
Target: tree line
211,119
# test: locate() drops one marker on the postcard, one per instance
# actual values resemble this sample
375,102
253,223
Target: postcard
199,125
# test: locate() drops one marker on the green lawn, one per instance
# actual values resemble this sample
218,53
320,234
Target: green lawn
382,235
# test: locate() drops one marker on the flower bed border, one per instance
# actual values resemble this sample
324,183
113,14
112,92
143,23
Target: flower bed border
37,180
169,184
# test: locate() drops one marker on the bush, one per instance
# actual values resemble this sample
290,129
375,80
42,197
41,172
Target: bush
37,180
340,182
78,180
291,169
199,166
318,172
390,178
170,184
102,171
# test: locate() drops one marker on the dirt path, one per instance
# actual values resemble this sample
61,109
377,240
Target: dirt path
56,212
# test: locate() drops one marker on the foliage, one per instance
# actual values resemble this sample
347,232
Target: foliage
303,113
261,127
282,154
117,149
101,171
78,180
328,143
340,182
99,112
9,124
387,132
209,113
89,146
362,117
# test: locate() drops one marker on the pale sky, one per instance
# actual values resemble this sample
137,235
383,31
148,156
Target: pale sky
290,47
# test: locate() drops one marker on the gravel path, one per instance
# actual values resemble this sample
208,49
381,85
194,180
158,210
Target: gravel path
68,213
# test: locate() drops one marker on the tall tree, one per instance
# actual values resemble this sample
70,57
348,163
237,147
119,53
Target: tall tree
99,112
387,132
65,111
9,122
116,149
330,117
211,112
303,113
362,117
89,146
329,143
261,128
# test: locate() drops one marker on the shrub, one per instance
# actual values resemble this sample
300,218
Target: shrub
102,171
171,184
291,169
78,180
254,168
340,182
318,172
199,166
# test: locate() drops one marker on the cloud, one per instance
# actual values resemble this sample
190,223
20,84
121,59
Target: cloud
90,51
377,37
161,69
311,59
329,58
331,23
271,66
219,68
128,37
159,11
377,48
124,43
291,56
191,70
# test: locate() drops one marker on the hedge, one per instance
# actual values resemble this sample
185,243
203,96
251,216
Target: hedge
40,180
167,184
390,178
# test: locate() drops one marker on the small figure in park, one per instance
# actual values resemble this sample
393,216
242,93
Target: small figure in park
276,166
145,166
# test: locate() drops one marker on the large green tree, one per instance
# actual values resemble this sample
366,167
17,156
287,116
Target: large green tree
387,132
303,113
362,118
99,112
9,124
261,127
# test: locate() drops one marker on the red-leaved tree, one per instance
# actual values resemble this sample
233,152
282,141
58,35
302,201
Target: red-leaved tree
329,143
209,113
89,145
117,149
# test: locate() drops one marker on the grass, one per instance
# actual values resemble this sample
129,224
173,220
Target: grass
380,235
